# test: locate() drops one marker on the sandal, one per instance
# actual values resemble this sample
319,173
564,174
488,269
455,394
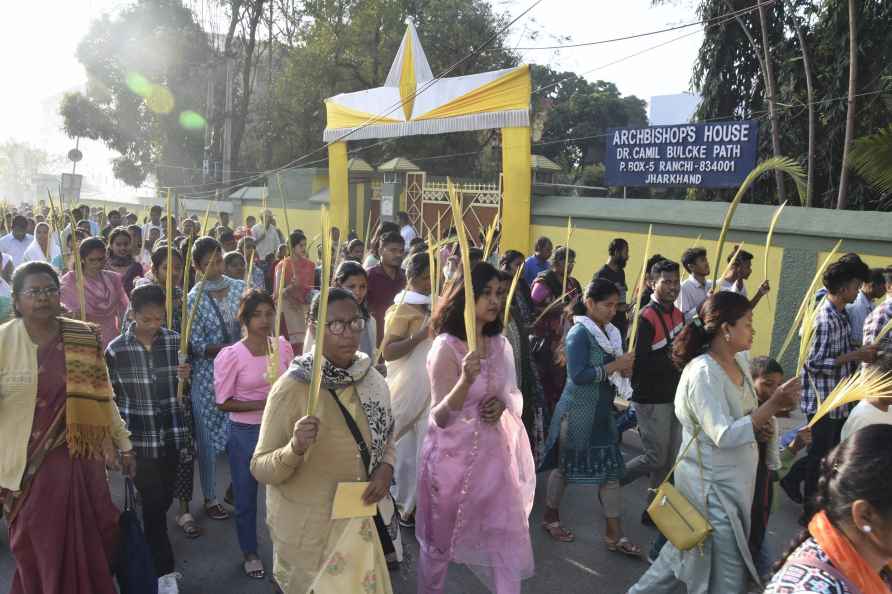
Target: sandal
254,569
558,532
624,546
216,511
189,525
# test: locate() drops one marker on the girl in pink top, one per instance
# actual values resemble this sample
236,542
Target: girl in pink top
242,383
476,479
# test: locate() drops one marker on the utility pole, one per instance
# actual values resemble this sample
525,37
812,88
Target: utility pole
207,167
227,121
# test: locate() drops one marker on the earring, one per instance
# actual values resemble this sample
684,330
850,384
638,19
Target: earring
866,529
727,337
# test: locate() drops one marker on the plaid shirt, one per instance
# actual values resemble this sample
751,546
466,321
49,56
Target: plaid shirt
874,323
820,374
145,384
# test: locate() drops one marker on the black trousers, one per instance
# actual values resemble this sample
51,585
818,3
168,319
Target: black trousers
825,436
155,478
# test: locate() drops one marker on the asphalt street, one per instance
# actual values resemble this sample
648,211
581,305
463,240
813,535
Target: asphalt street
211,564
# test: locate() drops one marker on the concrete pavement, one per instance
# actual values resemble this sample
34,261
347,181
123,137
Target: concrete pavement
211,564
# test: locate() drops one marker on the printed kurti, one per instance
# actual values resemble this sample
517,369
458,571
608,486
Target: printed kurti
476,481
588,451
212,325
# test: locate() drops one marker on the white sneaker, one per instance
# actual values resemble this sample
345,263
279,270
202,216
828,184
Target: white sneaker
167,584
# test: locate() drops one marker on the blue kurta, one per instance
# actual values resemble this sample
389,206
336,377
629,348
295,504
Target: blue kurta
207,329
588,452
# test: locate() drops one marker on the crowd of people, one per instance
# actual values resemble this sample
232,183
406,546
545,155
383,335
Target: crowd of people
450,438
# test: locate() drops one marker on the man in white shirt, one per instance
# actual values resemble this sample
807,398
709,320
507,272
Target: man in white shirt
873,289
154,222
872,411
737,273
16,242
266,236
407,231
695,289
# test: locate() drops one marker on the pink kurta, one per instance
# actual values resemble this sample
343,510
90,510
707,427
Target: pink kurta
476,481
106,301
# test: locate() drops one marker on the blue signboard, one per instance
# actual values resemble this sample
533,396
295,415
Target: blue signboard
711,155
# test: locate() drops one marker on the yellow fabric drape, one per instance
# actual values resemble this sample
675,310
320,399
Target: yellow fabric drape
340,116
510,92
516,189
356,563
338,186
407,78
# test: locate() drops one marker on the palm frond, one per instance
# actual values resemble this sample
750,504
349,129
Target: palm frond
869,383
871,158
774,219
640,287
808,299
782,164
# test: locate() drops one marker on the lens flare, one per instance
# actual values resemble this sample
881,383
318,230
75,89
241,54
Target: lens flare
160,100
139,84
191,120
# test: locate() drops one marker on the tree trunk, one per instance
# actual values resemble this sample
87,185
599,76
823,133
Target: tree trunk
810,98
772,106
842,199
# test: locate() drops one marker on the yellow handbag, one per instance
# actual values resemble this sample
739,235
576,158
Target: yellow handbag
675,517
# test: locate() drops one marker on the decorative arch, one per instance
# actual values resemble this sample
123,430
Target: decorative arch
497,99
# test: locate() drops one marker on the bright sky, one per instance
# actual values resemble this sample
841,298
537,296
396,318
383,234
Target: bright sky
40,59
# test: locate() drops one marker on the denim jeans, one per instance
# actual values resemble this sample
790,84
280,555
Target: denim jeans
240,448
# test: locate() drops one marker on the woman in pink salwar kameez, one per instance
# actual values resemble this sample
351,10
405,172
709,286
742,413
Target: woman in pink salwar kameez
477,478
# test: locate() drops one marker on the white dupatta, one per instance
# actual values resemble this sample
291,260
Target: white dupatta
611,343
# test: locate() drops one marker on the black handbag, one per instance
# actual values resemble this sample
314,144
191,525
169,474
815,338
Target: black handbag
135,566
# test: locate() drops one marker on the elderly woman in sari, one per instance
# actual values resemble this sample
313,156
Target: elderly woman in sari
477,479
302,456
44,248
214,327
405,346
59,432
721,417
104,295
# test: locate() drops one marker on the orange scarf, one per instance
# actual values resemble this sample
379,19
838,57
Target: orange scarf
844,556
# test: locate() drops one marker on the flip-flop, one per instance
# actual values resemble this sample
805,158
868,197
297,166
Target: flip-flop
558,532
189,525
216,512
254,569
623,546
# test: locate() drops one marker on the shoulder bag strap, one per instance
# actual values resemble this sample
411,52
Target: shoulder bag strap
681,455
380,526
354,430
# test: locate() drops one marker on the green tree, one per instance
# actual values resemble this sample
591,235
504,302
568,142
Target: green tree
570,107
145,93
19,163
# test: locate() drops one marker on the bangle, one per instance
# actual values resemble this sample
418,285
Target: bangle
128,454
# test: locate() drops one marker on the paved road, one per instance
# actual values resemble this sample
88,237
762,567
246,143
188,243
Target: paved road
211,563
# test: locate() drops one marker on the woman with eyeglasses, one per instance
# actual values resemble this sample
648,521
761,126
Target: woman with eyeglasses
104,295
477,479
214,327
303,457
59,429
242,383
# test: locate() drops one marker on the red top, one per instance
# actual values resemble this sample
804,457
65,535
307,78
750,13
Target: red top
382,290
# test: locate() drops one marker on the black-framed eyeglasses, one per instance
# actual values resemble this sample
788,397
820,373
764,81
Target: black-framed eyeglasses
337,327
47,292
